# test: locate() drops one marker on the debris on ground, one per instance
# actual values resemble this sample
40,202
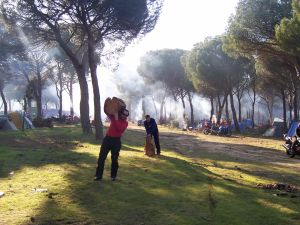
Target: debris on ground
50,195
278,186
40,189
237,168
1,194
11,173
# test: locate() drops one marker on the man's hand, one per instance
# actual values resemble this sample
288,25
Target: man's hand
116,115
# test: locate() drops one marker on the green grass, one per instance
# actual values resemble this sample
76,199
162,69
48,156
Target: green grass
189,184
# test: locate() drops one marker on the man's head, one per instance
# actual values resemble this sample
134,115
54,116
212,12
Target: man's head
124,113
147,118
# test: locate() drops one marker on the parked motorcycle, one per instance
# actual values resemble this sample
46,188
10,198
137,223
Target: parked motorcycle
292,146
225,131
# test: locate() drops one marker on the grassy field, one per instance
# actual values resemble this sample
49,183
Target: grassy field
197,180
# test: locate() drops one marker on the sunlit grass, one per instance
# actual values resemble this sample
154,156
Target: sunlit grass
188,184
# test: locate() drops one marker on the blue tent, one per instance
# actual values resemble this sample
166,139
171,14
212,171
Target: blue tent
245,124
292,130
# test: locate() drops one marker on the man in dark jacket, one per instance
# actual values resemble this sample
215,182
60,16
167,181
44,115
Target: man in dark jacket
152,130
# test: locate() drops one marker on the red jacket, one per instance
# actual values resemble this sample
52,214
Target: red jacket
116,127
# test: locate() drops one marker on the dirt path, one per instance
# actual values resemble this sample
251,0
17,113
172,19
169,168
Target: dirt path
247,149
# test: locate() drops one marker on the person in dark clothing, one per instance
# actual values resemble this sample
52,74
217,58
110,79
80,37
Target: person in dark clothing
112,142
152,130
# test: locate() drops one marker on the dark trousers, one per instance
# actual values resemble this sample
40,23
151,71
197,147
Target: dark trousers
113,145
156,141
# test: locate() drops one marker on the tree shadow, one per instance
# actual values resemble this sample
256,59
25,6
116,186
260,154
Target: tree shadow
188,194
158,190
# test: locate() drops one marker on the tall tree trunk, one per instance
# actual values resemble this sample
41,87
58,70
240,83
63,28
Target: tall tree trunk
221,107
25,104
252,114
84,92
39,107
60,95
212,108
161,115
240,108
29,104
290,103
227,109
165,111
3,100
60,104
9,105
236,123
39,93
270,110
183,105
155,108
253,101
192,109
84,100
96,91
284,111
296,118
71,97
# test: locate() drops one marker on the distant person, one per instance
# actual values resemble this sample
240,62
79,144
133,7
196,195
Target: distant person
298,130
152,130
112,142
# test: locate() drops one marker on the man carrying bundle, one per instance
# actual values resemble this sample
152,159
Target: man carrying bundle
112,141
152,130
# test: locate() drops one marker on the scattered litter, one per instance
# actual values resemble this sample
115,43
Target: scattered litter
40,189
11,173
279,186
238,168
281,194
1,194
50,195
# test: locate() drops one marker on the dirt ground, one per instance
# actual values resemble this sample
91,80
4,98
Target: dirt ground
238,148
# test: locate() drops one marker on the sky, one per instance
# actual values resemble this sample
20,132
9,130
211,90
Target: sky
183,24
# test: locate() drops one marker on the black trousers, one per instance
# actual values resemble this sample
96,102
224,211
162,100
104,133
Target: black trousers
113,145
156,141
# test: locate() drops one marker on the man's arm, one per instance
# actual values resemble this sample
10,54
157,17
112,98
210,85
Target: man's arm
147,128
153,126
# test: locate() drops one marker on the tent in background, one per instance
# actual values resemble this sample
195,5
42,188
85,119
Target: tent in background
244,125
17,119
292,130
277,129
6,124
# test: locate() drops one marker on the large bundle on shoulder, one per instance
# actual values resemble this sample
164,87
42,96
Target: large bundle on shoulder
114,105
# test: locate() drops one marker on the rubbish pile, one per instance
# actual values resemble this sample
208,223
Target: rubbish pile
279,186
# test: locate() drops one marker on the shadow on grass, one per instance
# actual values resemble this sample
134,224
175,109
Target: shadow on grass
164,190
